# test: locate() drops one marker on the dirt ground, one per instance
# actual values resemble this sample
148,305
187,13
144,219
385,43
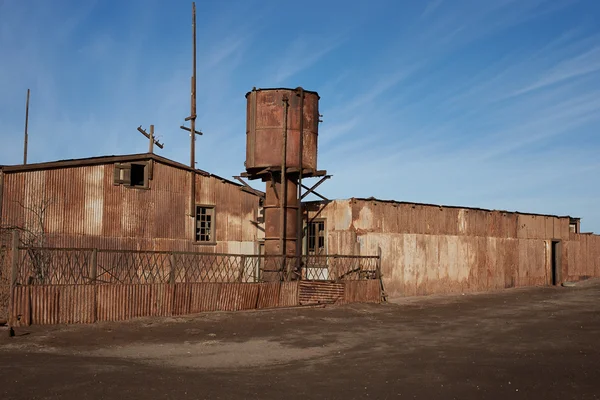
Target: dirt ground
537,343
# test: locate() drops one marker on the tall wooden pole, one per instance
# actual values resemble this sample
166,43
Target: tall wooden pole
193,118
151,145
26,135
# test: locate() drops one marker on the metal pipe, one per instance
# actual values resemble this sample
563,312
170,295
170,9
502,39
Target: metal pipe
283,177
26,134
299,230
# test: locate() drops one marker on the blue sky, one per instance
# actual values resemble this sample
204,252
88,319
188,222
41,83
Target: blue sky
490,104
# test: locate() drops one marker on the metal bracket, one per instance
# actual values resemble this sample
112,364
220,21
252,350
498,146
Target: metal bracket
249,188
312,189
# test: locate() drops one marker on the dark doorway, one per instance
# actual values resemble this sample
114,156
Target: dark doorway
555,256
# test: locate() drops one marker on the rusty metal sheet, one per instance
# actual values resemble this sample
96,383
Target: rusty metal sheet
288,294
368,291
491,260
238,296
320,292
594,246
541,249
420,263
268,294
182,298
471,264
20,314
110,302
523,265
510,225
75,303
204,297
410,264
511,262
87,208
442,283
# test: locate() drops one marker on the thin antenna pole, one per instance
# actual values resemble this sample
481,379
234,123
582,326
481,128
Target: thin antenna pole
26,135
193,118
193,99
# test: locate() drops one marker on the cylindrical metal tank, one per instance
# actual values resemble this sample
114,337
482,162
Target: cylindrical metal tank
264,126
275,242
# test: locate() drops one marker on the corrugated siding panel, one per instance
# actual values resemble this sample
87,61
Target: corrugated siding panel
268,294
204,296
494,256
511,262
389,217
206,188
410,264
85,203
111,216
68,304
288,294
20,314
342,215
320,293
14,190
420,263
64,304
362,291
444,264
93,199
238,296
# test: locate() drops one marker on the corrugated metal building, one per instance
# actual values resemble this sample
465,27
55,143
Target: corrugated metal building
142,202
139,202
439,249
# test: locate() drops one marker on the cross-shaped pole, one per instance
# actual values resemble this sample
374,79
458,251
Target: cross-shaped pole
150,136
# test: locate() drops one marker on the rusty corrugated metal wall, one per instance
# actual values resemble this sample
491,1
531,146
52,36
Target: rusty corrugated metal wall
87,210
431,249
68,304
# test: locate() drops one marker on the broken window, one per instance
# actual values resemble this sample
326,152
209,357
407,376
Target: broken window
316,237
131,174
574,225
205,224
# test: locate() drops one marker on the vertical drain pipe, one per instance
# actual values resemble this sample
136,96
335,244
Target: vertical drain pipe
283,176
300,229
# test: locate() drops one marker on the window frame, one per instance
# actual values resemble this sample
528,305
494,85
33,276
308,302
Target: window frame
213,240
316,221
125,180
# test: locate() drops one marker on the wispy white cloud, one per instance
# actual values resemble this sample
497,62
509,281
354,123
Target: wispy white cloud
302,53
431,7
583,64
480,103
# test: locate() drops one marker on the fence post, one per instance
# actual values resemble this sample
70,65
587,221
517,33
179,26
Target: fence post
242,269
94,271
93,278
380,275
13,281
172,269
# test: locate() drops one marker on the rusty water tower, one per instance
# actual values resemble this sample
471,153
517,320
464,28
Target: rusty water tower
281,149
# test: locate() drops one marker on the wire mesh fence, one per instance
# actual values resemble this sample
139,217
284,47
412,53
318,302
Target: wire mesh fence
61,266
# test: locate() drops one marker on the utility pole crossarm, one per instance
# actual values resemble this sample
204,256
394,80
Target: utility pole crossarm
185,128
149,136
